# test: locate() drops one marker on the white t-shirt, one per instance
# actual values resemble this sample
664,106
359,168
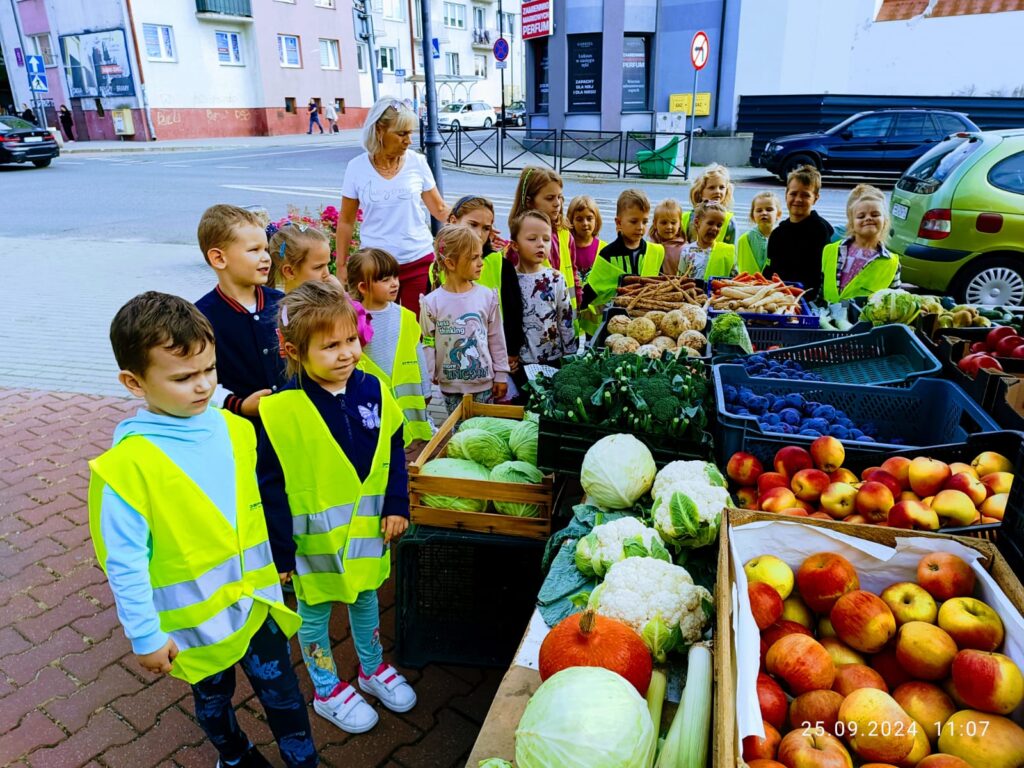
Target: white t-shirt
394,217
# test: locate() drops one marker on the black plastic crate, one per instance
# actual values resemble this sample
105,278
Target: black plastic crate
767,339
463,598
562,445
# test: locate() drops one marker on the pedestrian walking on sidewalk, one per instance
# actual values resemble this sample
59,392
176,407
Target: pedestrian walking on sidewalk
67,122
331,114
28,114
387,183
314,116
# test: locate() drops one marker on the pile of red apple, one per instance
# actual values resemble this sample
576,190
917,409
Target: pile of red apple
921,494
910,678
1001,341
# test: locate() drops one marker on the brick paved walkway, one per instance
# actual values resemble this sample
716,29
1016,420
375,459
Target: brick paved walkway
70,692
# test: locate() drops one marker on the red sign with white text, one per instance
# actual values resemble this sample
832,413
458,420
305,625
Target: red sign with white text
537,18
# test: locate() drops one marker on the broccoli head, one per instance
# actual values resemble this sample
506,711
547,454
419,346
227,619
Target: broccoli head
666,409
728,328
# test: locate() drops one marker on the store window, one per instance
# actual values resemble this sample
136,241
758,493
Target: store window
636,73
288,51
229,47
584,73
541,73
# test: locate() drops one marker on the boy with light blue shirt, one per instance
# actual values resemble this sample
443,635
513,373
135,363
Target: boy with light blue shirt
178,526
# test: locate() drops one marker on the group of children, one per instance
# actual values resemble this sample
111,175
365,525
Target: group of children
202,516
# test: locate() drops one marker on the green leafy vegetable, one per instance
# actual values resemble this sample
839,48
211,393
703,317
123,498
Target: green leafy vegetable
501,428
523,441
479,445
458,469
516,472
728,328
617,470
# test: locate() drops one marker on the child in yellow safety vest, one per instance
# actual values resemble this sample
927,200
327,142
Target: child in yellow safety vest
176,520
752,247
335,493
714,185
395,354
860,264
705,257
585,225
541,189
668,233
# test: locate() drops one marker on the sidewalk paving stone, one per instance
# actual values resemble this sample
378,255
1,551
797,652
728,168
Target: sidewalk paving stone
71,693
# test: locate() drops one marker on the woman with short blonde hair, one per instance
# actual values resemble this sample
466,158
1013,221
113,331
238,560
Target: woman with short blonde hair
389,183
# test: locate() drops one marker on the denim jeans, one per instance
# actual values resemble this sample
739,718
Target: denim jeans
268,666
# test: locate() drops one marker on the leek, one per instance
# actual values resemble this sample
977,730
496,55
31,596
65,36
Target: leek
656,697
686,745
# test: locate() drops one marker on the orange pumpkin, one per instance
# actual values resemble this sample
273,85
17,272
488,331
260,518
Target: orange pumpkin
590,640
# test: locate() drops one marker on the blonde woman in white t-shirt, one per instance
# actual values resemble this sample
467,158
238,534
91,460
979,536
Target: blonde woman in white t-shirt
392,185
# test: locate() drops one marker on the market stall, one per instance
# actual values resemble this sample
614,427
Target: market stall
857,432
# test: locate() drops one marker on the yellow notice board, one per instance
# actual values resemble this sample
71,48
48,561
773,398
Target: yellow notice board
680,102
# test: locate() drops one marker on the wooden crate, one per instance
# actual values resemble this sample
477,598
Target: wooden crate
541,494
726,747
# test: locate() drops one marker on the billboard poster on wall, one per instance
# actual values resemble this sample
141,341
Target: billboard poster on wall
542,87
536,18
585,73
97,64
634,74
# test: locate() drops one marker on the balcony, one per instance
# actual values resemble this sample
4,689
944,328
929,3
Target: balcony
219,10
484,38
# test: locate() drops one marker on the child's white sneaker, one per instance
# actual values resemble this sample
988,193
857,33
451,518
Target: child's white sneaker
390,687
346,709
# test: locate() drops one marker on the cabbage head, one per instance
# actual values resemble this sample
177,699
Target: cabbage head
459,469
480,446
617,471
498,427
494,762
516,472
891,305
523,441
585,717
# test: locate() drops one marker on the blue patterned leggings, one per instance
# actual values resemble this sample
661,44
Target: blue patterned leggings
269,669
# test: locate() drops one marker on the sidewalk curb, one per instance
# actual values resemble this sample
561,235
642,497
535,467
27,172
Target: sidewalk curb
590,177
157,148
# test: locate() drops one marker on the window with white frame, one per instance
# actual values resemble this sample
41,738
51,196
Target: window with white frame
509,27
229,47
455,15
417,24
388,56
329,56
288,51
323,3
479,18
480,66
43,47
394,10
451,63
159,42
361,57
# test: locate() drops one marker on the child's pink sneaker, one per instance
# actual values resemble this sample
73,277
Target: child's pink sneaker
390,687
346,709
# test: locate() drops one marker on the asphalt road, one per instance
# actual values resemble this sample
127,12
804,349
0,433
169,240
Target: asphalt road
158,197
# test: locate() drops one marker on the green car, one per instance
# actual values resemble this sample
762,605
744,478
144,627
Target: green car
958,218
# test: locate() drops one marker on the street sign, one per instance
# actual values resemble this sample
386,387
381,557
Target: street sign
501,65
700,50
34,65
681,102
19,57
38,84
399,73
435,48
537,16
501,49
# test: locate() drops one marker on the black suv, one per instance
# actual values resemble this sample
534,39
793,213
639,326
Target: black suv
882,142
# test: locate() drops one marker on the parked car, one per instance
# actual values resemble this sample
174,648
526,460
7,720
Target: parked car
886,141
22,142
515,113
470,114
958,218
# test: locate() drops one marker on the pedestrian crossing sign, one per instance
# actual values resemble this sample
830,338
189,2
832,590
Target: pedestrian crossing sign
38,84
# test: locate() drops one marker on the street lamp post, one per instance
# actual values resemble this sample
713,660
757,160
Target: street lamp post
432,137
34,98
365,32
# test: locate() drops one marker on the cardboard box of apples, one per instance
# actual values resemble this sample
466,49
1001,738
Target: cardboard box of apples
864,646
945,487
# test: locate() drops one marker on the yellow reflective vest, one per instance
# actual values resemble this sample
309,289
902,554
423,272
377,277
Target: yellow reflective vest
723,233
747,256
876,275
721,262
336,517
406,380
213,584
604,281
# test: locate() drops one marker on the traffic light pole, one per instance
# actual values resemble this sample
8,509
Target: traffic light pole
365,33
431,137
501,36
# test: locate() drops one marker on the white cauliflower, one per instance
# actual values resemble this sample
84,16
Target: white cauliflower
611,542
657,599
689,499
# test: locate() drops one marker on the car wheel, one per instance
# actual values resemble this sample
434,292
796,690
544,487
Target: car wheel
521,121
488,122
996,281
795,161
41,163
